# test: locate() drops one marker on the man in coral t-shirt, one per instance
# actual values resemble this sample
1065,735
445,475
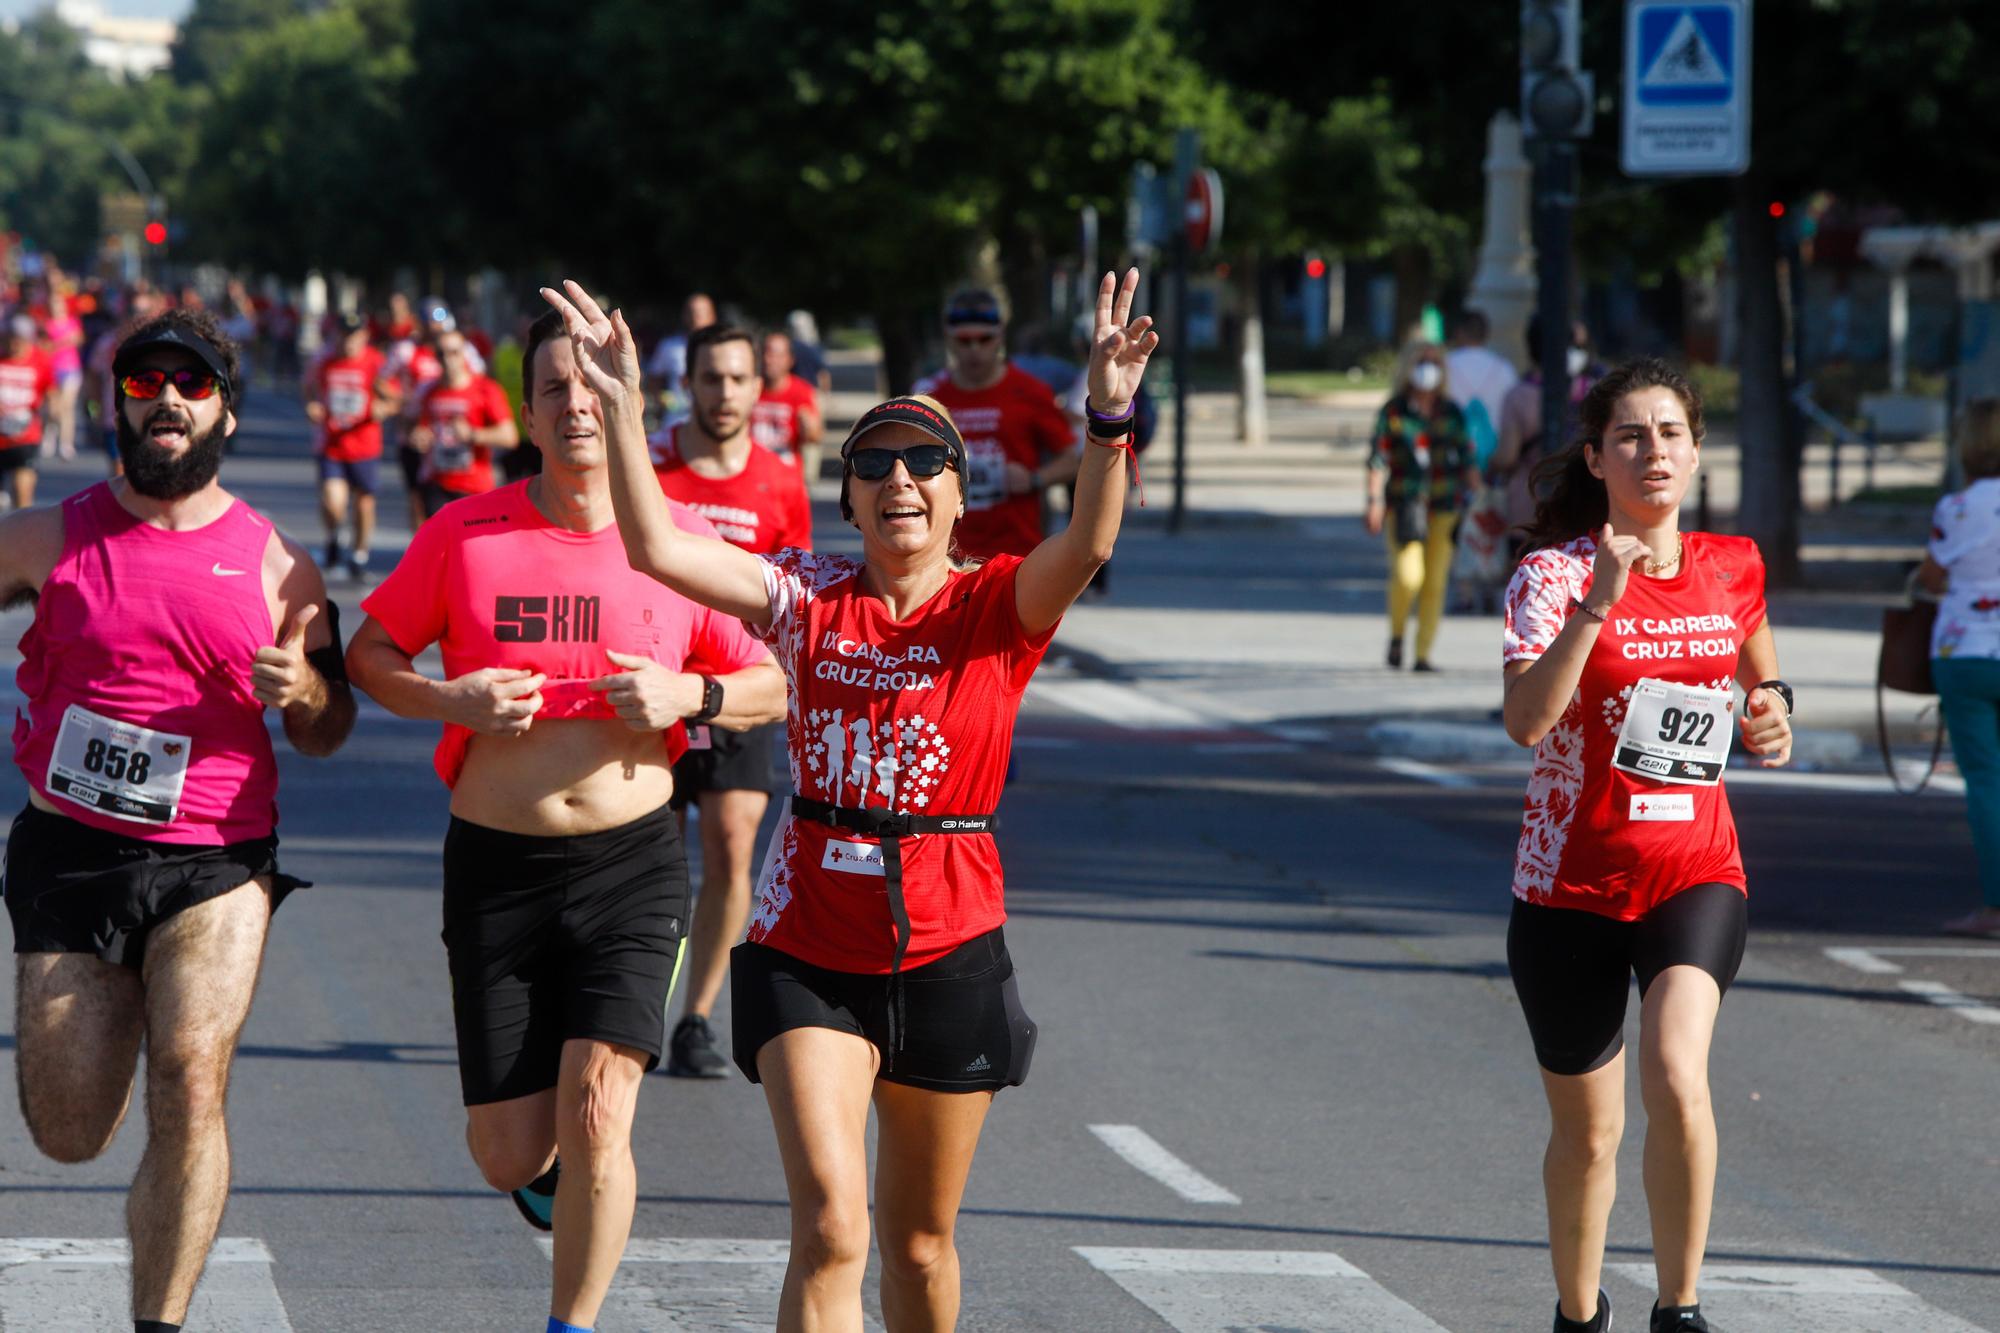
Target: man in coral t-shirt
344,400
461,416
787,419
26,379
1018,442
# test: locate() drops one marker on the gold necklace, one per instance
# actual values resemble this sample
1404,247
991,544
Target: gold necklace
1656,566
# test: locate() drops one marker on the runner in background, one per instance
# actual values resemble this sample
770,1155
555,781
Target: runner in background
1018,442
787,419
757,502
567,679
1623,637
666,369
62,334
343,400
27,379
907,669
461,417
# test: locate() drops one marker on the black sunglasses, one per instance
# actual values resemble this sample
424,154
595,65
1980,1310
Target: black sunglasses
922,460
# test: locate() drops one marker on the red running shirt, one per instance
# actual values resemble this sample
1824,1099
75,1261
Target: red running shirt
24,383
774,420
763,508
1015,420
1590,836
914,715
495,584
477,405
346,388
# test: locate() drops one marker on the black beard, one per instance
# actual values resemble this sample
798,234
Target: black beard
161,474
706,421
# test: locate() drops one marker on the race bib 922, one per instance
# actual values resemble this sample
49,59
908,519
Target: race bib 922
1676,734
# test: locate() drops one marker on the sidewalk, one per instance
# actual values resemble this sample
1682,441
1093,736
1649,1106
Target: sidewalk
1266,612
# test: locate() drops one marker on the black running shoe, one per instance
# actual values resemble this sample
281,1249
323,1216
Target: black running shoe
1599,1323
692,1053
537,1198
1679,1319
332,560
1395,652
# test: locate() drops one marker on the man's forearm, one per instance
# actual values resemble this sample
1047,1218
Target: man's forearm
750,698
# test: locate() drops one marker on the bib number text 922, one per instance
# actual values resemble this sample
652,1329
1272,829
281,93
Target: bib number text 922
117,763
1686,727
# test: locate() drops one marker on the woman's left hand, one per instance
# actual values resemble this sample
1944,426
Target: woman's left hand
1767,728
1119,345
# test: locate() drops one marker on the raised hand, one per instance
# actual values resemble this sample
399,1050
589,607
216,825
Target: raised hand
603,344
1613,567
280,675
1119,345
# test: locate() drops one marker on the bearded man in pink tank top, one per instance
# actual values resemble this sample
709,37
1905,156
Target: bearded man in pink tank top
142,875
569,677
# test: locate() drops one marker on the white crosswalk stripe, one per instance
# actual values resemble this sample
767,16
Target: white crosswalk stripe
1785,1298
84,1286
676,1285
1224,1291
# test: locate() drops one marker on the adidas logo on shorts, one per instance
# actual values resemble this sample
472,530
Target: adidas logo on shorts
978,1066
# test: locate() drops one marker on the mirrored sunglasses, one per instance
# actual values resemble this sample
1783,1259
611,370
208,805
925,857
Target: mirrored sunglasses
188,381
922,460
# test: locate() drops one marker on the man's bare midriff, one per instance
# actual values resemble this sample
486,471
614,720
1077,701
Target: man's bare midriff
563,778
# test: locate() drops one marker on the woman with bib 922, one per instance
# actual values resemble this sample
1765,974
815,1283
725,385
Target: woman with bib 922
1624,635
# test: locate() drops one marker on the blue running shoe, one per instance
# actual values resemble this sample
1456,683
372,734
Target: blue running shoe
537,1199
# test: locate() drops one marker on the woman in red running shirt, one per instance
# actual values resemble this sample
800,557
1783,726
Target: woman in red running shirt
876,971
1624,635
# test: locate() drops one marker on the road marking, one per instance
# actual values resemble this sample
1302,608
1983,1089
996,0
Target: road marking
714,1284
1423,772
1944,997
62,1283
1943,784
1870,959
1245,747
1300,1291
1046,742
1783,1298
1145,1153
1120,705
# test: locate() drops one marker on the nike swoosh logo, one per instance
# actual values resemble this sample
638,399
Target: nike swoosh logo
219,571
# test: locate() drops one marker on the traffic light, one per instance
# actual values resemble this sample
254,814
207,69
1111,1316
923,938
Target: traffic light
156,232
1557,96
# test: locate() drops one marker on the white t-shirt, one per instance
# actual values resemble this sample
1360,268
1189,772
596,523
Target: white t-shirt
1965,539
670,361
1481,374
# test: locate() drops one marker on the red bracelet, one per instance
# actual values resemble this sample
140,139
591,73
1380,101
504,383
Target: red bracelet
1125,443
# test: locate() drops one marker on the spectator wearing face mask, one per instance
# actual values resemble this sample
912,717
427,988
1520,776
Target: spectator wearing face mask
1420,477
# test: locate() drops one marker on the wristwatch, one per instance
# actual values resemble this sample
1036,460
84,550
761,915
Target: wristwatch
711,700
1782,690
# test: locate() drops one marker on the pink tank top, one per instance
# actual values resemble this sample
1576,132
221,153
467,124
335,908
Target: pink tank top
145,628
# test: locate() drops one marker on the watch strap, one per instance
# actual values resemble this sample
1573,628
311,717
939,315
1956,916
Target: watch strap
711,700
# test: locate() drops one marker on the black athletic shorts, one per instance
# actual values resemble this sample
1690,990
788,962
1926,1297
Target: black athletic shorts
554,938
1573,969
72,888
15,457
411,461
965,1028
733,761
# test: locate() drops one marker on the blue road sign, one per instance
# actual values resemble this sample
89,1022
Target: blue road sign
1687,87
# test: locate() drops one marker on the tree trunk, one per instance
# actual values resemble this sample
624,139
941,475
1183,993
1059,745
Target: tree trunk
1414,280
1768,512
901,331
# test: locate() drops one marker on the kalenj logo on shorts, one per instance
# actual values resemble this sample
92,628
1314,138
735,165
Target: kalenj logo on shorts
1673,805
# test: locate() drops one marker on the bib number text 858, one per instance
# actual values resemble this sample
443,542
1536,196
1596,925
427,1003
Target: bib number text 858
117,763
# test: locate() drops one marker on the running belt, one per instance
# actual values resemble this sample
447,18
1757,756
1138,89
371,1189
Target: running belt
890,828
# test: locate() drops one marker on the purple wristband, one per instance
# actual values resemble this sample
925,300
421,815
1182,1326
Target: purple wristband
1097,418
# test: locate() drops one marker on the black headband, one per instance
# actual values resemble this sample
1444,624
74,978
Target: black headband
910,412
186,340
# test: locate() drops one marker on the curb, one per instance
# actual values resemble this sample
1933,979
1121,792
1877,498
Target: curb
1487,742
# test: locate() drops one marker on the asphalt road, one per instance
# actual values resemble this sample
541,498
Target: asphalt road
1281,1083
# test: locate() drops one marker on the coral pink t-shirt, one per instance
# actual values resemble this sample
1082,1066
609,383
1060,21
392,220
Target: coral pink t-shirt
913,715
1597,837
495,584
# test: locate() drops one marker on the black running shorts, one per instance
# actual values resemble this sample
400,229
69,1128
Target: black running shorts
733,761
554,938
965,1030
72,888
1573,969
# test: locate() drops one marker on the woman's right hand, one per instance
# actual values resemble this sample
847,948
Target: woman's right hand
1373,516
1608,573
603,344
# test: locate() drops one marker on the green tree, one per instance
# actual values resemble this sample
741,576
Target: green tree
214,34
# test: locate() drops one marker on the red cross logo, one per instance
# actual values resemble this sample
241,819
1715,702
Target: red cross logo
1643,807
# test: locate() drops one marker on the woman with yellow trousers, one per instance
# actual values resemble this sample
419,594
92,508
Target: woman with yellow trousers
1420,478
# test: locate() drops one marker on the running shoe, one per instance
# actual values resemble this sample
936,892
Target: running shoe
331,560
1395,652
1424,667
537,1198
1679,1319
357,566
693,1053
1599,1323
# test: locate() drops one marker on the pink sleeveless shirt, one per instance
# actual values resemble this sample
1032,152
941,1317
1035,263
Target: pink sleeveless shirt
157,629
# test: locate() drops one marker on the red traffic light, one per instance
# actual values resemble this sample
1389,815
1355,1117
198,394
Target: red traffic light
1315,267
1777,208
156,233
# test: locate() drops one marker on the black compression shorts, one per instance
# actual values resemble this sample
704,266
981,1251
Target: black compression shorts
1573,969
555,938
72,888
965,1028
733,761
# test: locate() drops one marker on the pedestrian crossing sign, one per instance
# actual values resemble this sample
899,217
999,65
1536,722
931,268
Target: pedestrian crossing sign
1687,87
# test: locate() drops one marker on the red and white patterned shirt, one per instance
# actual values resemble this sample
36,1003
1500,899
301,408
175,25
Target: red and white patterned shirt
1592,836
